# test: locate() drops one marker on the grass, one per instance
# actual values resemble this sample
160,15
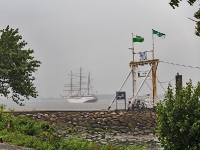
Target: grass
22,131
130,126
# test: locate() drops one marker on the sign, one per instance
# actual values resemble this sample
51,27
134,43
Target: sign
142,74
120,95
143,55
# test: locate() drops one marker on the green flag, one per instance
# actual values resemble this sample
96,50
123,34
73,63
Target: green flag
158,35
138,39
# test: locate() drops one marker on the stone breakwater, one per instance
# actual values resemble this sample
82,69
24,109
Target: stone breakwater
123,126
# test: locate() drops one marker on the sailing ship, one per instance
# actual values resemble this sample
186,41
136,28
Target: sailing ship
79,92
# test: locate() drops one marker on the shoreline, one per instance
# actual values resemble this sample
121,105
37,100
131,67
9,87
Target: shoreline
119,126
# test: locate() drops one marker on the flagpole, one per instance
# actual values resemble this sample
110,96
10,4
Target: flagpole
154,66
132,46
153,46
133,69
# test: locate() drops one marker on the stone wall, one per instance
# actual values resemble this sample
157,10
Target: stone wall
137,122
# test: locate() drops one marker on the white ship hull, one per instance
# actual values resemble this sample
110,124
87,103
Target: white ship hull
82,99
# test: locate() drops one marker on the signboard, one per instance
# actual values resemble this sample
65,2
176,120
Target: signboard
120,95
143,74
143,55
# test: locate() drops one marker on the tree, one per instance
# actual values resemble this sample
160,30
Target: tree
175,3
16,66
179,119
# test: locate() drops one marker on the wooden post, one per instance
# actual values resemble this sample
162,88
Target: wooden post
134,80
154,67
178,82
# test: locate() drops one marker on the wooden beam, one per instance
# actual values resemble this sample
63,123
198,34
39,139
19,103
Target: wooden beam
143,62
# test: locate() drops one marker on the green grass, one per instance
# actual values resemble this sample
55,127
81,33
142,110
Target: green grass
42,136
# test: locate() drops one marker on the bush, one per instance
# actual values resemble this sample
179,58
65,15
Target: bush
179,118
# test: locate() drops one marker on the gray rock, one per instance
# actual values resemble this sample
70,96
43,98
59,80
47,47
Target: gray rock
39,117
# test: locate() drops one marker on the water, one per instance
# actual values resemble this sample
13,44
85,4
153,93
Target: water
60,104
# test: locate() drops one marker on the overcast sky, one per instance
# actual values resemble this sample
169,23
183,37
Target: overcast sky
96,35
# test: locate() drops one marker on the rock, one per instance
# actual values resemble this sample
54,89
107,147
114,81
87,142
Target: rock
29,115
114,116
61,114
113,113
121,113
102,113
35,116
53,119
116,123
53,116
123,131
96,125
109,118
46,115
147,131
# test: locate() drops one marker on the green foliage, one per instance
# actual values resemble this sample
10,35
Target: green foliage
179,119
130,126
115,133
42,136
100,130
197,15
70,130
16,66
103,135
175,3
110,131
88,127
2,107
92,131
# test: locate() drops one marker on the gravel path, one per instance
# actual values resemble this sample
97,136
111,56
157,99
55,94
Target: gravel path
7,146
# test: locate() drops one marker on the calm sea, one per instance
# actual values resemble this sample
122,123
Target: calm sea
60,104
56,104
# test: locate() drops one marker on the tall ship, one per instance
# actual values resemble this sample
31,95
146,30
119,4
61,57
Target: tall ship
79,91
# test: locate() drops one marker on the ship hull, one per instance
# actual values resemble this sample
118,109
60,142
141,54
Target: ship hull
84,99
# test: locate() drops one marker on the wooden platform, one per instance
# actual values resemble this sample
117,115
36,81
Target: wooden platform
143,62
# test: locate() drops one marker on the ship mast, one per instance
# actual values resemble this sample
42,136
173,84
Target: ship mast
71,89
88,86
71,85
80,80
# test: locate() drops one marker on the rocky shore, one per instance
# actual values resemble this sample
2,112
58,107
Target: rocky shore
115,137
7,146
119,127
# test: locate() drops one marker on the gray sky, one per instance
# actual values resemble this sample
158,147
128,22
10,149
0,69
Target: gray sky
96,35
